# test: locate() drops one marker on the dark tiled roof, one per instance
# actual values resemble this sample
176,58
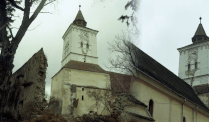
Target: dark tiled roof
120,82
133,99
84,66
157,71
79,16
200,31
201,89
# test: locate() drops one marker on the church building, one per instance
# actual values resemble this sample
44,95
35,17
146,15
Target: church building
156,94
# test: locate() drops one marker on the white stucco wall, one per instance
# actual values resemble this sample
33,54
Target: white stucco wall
201,74
64,80
72,49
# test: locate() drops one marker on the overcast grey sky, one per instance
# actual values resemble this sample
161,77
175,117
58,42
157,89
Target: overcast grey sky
164,25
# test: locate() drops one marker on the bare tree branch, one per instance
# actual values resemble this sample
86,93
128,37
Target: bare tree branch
38,9
10,30
49,3
15,5
27,30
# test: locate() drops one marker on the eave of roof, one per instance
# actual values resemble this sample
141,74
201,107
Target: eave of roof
140,116
199,42
133,99
82,66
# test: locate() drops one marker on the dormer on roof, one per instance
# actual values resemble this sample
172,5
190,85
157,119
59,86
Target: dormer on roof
79,20
200,34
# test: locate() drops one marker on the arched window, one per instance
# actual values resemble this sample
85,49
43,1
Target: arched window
184,119
151,107
87,46
188,66
81,44
195,65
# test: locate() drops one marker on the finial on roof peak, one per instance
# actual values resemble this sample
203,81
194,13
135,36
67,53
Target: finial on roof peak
79,19
200,19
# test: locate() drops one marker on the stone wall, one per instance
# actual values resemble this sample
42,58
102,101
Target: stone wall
23,96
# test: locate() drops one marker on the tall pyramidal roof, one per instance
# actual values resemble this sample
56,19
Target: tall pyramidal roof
200,31
79,19
200,34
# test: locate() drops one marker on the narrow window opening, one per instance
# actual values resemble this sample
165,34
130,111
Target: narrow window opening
82,89
81,44
151,107
195,65
188,66
184,119
82,97
87,46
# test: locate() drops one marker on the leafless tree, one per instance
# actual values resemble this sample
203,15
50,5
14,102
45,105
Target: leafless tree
125,53
102,98
8,41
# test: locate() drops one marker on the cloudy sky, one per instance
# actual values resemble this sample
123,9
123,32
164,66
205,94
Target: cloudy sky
164,25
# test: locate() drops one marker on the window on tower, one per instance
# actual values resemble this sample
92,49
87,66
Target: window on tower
87,46
195,65
81,44
188,66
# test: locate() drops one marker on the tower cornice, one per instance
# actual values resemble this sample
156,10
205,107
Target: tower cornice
193,46
76,27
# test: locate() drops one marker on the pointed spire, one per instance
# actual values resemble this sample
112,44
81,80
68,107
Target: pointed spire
200,31
200,34
79,19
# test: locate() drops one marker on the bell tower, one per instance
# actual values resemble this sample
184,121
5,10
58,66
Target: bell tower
79,42
194,59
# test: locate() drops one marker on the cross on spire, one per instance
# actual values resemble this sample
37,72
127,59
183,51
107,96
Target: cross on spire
79,7
200,19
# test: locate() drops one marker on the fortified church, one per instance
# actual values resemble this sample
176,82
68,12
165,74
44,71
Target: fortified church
156,93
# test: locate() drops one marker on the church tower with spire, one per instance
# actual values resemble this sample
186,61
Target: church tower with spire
79,42
194,59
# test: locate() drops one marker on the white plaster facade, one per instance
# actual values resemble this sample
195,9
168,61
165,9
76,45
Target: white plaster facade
73,39
63,83
195,53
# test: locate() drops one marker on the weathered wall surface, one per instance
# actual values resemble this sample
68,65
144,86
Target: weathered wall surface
24,94
66,87
204,98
